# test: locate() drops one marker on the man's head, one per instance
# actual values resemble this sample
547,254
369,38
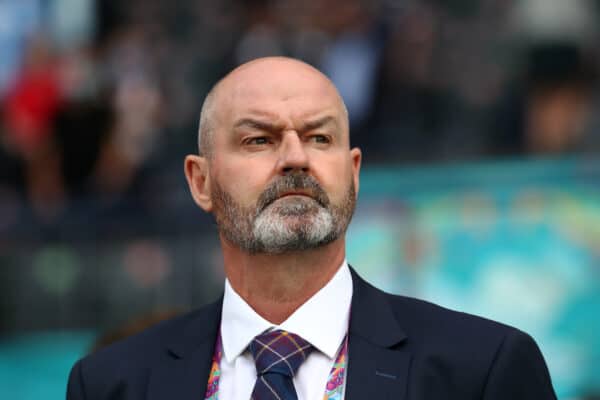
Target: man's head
276,168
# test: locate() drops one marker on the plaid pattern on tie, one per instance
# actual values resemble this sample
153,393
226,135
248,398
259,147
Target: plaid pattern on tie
277,355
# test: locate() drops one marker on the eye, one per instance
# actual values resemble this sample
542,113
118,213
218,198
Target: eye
321,139
257,141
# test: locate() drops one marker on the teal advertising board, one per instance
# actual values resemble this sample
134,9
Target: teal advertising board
517,242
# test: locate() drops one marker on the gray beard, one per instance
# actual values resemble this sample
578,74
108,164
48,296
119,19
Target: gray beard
277,224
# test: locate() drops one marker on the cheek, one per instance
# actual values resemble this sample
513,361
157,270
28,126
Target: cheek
243,181
336,180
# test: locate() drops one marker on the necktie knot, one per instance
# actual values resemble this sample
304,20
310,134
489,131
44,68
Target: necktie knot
279,352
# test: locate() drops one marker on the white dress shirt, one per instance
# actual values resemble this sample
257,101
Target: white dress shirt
322,321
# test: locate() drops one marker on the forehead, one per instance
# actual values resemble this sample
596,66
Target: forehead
282,89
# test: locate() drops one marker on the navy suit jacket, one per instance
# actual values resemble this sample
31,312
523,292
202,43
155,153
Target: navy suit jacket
399,348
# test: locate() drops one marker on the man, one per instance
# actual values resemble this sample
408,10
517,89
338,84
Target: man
296,322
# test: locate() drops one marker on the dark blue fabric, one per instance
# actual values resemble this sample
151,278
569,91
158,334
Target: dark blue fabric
278,383
277,355
399,348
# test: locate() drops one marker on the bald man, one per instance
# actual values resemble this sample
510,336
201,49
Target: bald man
276,170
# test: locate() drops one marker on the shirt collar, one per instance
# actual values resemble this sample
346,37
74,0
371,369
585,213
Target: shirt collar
322,320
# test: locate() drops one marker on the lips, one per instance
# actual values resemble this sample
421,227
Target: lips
295,194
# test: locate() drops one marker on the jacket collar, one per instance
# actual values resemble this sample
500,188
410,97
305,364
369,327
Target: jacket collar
377,368
183,375
371,316
378,361
203,326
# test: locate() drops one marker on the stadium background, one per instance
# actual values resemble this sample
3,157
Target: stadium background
478,121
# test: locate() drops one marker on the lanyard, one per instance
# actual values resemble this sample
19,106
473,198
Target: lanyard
334,390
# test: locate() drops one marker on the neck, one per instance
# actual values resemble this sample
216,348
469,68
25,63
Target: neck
275,285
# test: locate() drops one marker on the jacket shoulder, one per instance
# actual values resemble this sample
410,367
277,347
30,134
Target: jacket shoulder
129,361
436,324
424,315
144,345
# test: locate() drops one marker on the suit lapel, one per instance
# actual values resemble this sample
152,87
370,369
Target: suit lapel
378,364
185,374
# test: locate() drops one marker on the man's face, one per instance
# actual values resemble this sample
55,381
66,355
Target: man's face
281,176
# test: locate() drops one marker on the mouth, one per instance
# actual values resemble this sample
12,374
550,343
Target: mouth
287,194
301,189
291,195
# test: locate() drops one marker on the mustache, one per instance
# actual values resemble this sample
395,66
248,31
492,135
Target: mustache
297,181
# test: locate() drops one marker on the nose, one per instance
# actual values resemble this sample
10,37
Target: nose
292,154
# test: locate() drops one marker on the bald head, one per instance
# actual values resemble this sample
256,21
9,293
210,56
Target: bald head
270,79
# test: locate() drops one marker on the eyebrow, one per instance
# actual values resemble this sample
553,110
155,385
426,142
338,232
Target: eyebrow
257,124
318,123
273,127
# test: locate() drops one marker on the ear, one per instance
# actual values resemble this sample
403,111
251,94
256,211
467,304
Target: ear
198,178
356,156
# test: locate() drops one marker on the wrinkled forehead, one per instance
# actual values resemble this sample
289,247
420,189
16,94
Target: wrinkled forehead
285,89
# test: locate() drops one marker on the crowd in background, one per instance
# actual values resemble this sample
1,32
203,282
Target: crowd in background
100,99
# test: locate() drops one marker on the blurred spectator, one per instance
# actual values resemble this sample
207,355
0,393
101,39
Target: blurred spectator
137,103
83,129
353,55
552,112
424,81
406,119
263,35
99,102
29,110
33,100
550,107
558,103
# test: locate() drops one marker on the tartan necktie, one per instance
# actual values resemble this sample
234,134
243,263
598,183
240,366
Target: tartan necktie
277,355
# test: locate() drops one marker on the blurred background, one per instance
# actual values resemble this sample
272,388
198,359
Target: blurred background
478,119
